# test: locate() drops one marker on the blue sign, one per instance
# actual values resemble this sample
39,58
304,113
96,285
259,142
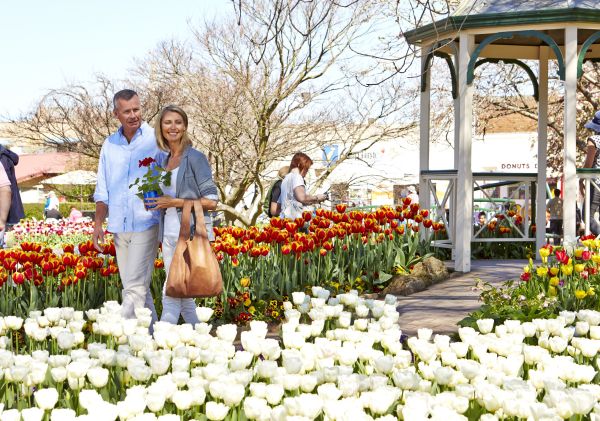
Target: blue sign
331,154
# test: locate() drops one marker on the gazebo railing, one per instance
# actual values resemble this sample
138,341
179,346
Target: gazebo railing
438,207
589,177
526,182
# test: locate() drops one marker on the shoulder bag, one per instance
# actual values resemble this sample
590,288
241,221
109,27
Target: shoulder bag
194,270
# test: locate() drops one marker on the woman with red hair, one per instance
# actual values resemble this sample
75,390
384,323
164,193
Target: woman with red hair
293,196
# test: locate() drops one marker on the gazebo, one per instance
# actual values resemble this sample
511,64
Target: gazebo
507,31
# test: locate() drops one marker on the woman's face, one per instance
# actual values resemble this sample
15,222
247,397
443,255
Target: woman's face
173,127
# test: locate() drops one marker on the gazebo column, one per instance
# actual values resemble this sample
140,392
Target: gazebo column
464,191
540,215
424,126
570,135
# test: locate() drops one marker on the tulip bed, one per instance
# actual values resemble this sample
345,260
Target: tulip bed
261,266
562,282
338,359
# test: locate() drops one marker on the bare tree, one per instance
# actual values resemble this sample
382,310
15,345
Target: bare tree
511,95
281,78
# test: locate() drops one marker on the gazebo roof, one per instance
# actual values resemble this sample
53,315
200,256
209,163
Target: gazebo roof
501,13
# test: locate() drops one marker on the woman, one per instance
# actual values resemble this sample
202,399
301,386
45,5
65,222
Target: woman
191,178
293,196
592,160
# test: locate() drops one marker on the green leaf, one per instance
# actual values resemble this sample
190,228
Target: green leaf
383,278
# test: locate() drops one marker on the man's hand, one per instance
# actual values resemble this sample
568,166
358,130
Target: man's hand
98,235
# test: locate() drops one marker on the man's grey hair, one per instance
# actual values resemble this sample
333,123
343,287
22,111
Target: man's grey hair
124,94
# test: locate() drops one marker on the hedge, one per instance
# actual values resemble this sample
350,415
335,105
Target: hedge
36,210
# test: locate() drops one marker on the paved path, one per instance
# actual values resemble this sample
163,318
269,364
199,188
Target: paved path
443,305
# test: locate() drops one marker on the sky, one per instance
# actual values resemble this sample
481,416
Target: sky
47,44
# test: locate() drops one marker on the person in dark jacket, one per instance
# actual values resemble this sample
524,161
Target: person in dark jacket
9,160
15,213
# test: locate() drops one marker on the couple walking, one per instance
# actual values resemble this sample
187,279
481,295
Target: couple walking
137,231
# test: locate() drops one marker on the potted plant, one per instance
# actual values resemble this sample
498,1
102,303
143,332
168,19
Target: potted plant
149,184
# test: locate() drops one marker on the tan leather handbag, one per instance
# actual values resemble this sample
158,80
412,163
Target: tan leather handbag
194,270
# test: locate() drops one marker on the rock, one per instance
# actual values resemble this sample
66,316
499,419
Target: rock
404,285
436,269
421,271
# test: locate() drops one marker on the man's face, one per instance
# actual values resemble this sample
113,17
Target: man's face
129,114
482,219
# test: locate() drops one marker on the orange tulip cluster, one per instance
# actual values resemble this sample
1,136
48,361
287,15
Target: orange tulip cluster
33,262
322,230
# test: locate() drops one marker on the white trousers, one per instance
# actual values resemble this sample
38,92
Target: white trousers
136,252
173,307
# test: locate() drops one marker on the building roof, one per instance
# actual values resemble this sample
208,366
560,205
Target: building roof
498,13
33,166
481,7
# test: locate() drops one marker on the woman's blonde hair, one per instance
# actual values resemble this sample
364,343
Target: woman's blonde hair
160,140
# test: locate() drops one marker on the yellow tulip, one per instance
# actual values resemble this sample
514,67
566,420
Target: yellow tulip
588,243
245,282
591,292
596,258
578,253
579,267
552,292
542,271
544,252
554,271
554,281
526,269
566,270
580,294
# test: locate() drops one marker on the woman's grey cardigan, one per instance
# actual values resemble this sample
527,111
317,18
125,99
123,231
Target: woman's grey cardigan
194,181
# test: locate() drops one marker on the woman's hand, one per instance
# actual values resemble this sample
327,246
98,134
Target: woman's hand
161,202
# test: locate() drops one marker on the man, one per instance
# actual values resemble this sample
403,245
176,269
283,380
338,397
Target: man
135,230
412,194
272,206
555,207
5,201
15,207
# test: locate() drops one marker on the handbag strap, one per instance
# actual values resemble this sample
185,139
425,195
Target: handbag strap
186,215
200,223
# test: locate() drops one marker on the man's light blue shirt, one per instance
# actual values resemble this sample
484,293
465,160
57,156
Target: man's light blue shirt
117,169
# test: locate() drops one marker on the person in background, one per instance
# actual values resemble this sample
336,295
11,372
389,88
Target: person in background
592,160
412,194
191,178
9,161
274,208
481,220
555,207
5,202
134,229
293,196
75,214
52,207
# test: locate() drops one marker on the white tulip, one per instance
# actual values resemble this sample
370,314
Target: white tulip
256,408
62,415
204,313
46,398
89,399
59,374
234,394
227,332
32,414
10,415
98,376
216,411
308,382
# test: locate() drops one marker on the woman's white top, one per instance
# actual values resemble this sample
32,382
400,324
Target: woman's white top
290,207
172,222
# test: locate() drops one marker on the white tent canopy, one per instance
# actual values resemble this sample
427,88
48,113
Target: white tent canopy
73,178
